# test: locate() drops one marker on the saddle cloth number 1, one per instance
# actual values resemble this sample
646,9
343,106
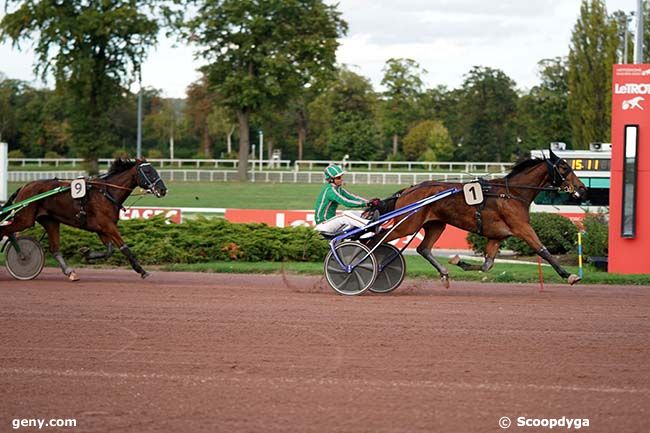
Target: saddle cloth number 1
78,188
473,193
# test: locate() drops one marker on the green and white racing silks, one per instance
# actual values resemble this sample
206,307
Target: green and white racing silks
331,197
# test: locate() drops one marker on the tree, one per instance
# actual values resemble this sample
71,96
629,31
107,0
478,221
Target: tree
592,53
200,103
403,86
543,113
94,50
263,52
428,140
488,106
345,120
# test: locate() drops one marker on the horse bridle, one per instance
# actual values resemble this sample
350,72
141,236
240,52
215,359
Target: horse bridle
147,183
554,173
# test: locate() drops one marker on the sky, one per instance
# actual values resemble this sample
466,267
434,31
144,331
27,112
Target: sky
446,37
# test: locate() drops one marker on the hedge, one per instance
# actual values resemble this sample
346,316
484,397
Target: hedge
154,242
594,240
556,232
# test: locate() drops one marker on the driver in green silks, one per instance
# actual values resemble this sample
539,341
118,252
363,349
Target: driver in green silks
331,196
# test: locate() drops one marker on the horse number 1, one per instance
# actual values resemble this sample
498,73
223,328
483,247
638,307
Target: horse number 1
473,193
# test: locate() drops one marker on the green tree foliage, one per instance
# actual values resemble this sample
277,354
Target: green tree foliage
488,107
263,52
93,49
403,87
345,121
31,119
428,140
543,112
594,44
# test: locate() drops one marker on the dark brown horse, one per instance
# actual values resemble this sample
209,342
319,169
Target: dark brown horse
98,211
503,213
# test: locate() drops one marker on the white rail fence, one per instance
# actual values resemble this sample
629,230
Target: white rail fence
383,178
281,164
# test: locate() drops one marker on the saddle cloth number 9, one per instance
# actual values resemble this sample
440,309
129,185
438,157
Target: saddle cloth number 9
78,188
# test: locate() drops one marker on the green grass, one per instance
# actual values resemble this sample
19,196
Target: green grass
239,195
417,267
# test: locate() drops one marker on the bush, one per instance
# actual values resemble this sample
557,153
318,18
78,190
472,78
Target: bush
154,154
594,241
16,153
557,233
195,241
52,154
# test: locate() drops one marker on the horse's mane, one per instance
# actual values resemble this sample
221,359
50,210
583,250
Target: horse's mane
523,166
119,165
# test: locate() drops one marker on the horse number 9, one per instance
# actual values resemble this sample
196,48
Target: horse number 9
78,188
473,193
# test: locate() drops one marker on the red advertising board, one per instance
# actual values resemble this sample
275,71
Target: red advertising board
171,214
452,238
629,206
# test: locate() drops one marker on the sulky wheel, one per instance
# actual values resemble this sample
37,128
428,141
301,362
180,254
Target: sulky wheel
391,269
360,277
26,264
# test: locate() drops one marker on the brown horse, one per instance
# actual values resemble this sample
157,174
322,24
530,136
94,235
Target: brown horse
503,213
98,211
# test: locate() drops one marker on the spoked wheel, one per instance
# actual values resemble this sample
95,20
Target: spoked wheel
391,269
360,277
26,264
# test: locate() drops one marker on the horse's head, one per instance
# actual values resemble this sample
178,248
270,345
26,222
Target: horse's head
562,176
149,179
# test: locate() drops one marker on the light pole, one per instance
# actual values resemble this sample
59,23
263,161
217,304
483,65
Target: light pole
139,140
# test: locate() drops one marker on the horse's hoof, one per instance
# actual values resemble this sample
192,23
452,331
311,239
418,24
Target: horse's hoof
445,281
73,276
454,260
145,274
573,278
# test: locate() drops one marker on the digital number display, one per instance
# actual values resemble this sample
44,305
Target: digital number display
589,164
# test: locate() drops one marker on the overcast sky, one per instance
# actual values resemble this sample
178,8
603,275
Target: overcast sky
446,37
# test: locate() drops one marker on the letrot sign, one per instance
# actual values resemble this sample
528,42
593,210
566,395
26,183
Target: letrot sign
629,199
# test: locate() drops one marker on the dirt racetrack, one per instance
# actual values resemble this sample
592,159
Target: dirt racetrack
189,352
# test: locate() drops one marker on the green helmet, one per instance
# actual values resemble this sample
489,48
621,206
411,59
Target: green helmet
333,171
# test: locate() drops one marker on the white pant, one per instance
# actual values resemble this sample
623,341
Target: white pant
347,218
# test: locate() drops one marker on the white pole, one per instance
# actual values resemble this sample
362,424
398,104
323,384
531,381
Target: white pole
171,147
4,171
638,45
261,147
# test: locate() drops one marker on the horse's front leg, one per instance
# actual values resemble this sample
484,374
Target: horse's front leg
528,235
54,241
432,232
491,250
115,236
95,255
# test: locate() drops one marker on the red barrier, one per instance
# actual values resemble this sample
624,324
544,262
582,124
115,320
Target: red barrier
172,215
452,238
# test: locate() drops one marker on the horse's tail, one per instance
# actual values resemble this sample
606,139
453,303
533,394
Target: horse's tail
11,198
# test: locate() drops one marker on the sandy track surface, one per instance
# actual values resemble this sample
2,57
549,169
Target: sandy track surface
189,352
